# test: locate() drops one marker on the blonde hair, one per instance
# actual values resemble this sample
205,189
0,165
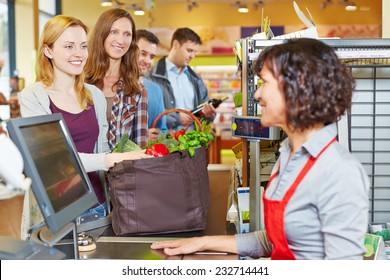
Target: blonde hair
44,69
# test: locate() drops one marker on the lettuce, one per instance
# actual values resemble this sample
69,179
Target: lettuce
125,145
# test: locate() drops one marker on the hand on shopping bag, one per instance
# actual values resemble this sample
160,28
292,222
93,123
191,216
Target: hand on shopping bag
135,155
113,158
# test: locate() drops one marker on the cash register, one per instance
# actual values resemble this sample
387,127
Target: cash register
58,180
13,183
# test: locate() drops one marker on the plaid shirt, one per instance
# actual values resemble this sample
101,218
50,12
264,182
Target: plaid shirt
129,114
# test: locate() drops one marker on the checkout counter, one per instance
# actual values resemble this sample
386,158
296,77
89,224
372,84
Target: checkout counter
54,142
137,247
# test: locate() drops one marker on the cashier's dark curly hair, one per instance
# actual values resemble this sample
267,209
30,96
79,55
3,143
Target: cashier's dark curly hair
317,86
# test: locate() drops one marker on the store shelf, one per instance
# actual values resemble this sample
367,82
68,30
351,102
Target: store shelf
221,81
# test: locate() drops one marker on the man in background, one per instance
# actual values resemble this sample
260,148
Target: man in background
182,87
147,43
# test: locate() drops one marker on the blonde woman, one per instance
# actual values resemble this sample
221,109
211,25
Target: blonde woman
60,88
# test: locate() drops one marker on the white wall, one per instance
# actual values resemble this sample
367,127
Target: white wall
25,60
385,19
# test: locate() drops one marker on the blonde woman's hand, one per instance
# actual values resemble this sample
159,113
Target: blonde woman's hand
135,155
113,158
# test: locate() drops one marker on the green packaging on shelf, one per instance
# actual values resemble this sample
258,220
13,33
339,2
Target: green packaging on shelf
237,99
379,229
375,247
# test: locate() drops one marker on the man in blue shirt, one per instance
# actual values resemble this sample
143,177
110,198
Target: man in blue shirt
147,43
182,87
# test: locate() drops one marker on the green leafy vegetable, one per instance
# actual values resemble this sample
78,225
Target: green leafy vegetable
125,145
186,140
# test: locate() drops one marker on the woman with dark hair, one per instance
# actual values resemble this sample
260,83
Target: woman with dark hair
316,201
112,66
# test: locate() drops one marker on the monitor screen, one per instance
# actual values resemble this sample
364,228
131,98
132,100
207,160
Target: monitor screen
250,127
59,181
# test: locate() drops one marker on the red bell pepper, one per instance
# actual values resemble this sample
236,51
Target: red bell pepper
178,133
157,150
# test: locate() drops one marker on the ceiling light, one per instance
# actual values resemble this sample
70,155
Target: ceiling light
106,3
351,7
243,9
139,12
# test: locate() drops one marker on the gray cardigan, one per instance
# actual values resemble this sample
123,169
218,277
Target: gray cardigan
34,100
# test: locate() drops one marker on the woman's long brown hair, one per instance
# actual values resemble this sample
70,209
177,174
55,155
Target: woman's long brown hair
98,61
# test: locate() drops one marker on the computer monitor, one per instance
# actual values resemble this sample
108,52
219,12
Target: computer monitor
59,181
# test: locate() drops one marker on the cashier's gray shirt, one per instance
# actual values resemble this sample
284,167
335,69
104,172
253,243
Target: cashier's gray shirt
327,216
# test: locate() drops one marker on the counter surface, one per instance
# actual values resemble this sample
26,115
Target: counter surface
109,246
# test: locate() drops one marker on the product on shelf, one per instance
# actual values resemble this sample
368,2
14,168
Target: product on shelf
221,81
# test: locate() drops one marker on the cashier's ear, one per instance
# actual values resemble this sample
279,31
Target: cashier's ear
47,52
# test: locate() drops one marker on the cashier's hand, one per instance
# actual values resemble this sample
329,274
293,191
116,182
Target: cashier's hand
180,246
217,243
113,158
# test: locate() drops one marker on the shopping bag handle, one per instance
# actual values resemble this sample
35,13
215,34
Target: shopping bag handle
177,110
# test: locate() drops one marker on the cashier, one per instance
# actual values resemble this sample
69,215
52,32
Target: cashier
316,201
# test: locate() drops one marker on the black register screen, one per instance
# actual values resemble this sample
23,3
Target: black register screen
55,163
250,128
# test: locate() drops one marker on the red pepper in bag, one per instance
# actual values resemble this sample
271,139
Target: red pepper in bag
157,150
178,133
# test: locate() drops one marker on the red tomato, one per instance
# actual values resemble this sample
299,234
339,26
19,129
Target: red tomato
157,150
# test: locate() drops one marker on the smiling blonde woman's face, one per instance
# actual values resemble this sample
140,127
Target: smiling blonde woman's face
69,52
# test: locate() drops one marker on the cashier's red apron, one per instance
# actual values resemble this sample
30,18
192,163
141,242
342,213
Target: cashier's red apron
274,213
